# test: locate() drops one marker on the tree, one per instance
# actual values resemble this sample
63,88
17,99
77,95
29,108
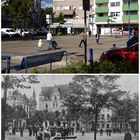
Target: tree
43,14
60,18
93,92
110,21
127,109
19,10
10,82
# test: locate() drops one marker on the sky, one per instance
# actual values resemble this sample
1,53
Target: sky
46,3
126,82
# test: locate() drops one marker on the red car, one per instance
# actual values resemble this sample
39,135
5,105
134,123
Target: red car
129,52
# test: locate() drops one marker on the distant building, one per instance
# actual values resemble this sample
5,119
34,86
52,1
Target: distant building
51,98
74,15
105,16
16,99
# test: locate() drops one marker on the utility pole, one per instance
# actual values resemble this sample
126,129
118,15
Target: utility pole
86,7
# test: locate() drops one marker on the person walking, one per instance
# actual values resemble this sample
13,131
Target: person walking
97,38
127,136
83,39
49,40
101,132
30,130
83,131
21,131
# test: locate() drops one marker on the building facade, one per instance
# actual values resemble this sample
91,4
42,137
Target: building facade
16,99
112,16
51,98
105,16
74,15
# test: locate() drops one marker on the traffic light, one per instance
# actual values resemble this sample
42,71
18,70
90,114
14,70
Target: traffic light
86,5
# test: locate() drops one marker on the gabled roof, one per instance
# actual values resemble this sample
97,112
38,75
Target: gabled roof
47,92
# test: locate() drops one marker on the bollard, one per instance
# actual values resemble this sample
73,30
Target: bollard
91,56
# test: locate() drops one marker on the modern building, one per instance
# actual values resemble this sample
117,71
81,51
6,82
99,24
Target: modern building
105,16
15,99
74,15
112,16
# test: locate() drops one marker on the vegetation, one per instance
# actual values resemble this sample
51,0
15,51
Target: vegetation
90,94
96,67
19,10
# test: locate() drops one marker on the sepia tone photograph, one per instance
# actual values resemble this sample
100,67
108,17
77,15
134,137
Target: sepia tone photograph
64,107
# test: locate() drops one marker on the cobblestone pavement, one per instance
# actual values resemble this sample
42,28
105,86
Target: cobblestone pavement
87,136
18,49
69,43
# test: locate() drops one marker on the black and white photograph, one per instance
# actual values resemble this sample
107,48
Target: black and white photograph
64,107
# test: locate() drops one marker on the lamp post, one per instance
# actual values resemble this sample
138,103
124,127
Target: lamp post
129,19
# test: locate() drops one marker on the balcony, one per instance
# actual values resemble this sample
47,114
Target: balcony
132,18
102,19
101,1
133,6
102,9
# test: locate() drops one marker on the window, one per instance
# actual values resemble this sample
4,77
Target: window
115,14
103,117
115,4
103,125
108,116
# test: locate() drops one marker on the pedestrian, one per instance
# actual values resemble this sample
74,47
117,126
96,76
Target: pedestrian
89,33
97,38
83,131
127,136
109,131
21,131
39,44
30,130
101,132
40,134
14,130
10,129
83,39
49,40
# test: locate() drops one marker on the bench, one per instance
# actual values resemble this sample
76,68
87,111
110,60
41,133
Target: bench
6,68
40,59
64,138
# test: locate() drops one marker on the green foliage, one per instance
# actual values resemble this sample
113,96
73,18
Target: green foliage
60,18
97,67
59,33
19,10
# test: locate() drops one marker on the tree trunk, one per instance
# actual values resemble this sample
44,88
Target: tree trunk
4,114
95,125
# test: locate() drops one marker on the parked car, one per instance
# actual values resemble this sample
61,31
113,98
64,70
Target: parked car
41,32
129,52
11,32
23,32
4,35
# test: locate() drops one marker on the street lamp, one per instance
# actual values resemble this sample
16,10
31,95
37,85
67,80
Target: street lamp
129,19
